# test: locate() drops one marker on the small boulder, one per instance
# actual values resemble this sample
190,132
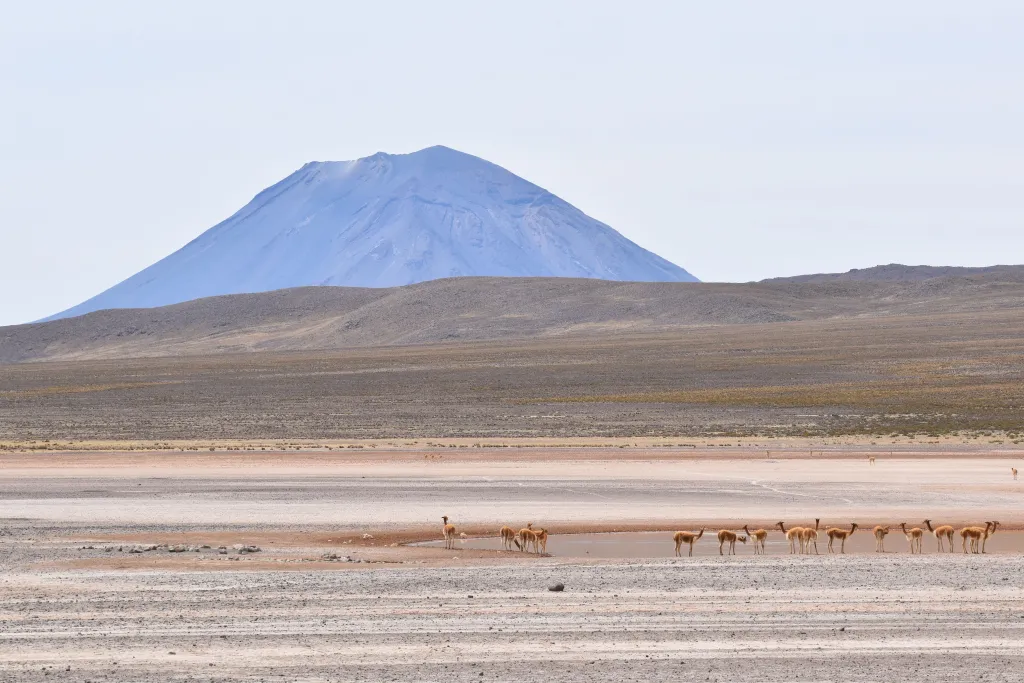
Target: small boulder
557,588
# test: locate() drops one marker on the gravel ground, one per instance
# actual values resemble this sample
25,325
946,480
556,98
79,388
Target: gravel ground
285,613
887,618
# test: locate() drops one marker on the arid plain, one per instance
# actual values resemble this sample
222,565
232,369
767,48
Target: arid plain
276,515
340,589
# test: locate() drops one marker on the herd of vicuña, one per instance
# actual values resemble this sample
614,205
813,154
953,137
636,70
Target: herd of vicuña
801,539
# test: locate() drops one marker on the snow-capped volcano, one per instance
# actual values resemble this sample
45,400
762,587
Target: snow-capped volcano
389,220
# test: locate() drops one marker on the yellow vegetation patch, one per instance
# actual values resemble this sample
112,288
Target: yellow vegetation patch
884,393
81,389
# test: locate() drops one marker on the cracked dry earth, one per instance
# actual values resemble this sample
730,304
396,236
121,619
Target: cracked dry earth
785,618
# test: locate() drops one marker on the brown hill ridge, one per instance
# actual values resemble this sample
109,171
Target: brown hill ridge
479,309
897,272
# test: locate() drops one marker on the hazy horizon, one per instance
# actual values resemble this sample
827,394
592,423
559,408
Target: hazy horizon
779,142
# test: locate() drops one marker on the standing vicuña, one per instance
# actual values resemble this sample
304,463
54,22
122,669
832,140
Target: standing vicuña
541,541
973,534
880,533
809,536
941,532
842,534
914,536
760,536
448,531
527,537
794,536
508,537
687,537
730,537
988,533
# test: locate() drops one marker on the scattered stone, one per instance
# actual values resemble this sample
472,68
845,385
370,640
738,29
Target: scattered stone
367,537
557,588
222,550
177,549
335,557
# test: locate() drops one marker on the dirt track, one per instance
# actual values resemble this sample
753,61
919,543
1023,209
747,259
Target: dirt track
401,613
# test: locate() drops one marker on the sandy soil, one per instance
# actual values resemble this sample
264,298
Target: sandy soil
320,601
394,491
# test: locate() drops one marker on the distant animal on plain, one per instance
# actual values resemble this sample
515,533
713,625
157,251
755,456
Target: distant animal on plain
759,537
973,536
990,532
809,536
794,536
541,541
842,534
880,533
914,536
687,537
508,537
448,531
527,537
944,532
730,537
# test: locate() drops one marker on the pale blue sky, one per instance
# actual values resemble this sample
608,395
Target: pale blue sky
740,140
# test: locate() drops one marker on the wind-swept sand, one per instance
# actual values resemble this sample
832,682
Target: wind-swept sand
298,610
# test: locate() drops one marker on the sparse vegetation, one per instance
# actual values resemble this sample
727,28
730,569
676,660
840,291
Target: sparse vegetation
908,378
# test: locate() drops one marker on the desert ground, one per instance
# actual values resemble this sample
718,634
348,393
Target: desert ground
187,497
349,584
911,377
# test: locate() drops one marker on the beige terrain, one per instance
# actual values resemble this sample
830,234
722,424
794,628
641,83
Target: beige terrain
343,589
250,488
475,309
927,377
